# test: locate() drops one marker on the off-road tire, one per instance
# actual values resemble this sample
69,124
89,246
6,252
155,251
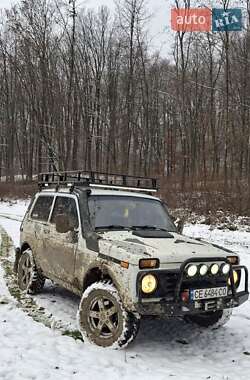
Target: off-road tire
98,302
214,320
29,277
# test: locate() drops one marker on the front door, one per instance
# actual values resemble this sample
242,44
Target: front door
61,247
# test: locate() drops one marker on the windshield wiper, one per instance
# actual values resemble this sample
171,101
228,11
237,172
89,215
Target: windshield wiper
127,228
112,227
148,227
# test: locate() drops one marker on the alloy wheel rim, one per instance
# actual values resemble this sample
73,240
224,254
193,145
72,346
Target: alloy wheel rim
103,317
26,272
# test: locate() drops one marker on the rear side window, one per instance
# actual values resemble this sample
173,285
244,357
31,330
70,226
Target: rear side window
42,208
65,205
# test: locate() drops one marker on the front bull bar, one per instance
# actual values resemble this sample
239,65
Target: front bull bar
235,295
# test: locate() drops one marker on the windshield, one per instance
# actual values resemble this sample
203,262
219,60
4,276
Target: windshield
122,212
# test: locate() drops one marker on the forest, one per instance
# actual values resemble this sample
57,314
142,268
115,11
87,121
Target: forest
82,89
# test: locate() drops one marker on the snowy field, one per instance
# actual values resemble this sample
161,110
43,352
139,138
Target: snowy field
162,350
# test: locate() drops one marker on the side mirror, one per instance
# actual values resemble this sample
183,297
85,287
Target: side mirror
63,224
179,223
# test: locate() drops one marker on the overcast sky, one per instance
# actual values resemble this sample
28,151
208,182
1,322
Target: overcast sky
158,27
161,36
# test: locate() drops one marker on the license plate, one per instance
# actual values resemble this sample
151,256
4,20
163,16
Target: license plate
203,294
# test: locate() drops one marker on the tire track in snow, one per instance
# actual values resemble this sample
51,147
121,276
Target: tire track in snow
23,300
17,218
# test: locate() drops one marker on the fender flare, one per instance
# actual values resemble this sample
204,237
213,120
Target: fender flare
104,271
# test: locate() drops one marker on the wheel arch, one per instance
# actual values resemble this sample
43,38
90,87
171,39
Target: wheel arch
98,273
18,254
25,245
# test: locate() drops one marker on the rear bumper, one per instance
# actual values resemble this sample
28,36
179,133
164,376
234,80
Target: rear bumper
179,309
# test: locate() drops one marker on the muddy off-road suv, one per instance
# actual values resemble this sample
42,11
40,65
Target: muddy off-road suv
108,239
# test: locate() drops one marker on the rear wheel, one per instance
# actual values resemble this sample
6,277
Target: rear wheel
103,319
29,277
214,319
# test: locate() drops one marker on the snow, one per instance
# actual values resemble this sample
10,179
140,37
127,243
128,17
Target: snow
11,215
162,350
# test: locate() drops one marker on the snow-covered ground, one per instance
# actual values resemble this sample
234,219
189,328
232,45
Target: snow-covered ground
11,215
162,350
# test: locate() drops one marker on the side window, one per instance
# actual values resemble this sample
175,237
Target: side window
42,208
65,205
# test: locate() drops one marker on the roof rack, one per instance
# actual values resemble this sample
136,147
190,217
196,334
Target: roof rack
92,179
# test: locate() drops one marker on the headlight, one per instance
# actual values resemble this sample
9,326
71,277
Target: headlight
235,277
225,268
214,269
149,284
203,269
192,270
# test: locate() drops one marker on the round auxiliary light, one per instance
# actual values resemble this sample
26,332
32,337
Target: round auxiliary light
149,284
225,268
214,269
192,270
203,269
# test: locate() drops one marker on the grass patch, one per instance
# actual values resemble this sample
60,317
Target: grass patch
75,334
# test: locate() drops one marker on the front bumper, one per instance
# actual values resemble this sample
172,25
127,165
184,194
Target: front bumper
177,308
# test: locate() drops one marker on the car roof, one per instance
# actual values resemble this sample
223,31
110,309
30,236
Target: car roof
122,193
101,192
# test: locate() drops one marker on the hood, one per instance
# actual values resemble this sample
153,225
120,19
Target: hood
172,249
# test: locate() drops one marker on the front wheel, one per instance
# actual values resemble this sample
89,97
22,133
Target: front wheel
214,319
102,318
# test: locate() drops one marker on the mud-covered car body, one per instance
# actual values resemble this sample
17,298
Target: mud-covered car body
125,253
